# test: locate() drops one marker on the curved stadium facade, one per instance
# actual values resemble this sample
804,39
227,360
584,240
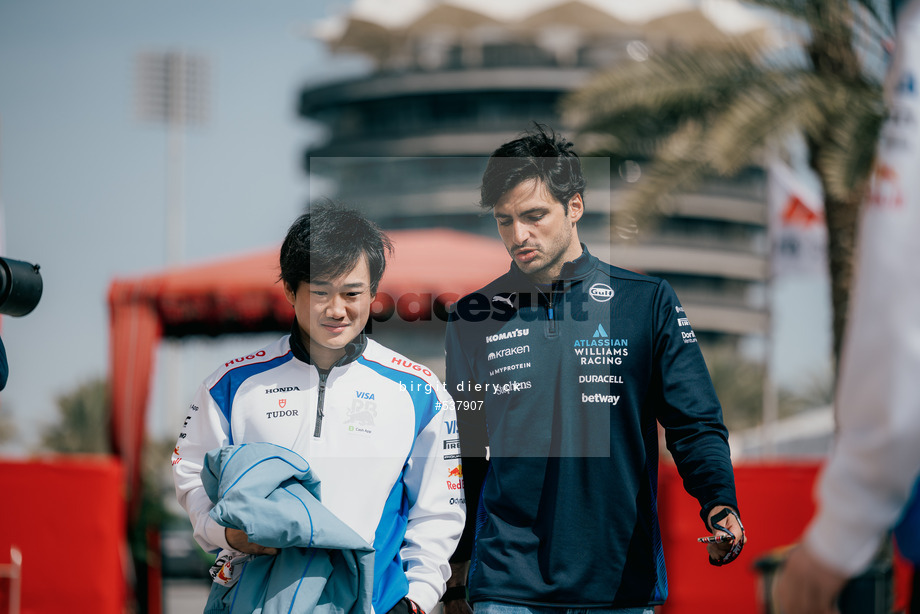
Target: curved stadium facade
409,140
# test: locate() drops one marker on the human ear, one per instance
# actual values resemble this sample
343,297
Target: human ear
576,208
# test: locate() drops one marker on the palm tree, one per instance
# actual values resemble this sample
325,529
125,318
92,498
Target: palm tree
699,112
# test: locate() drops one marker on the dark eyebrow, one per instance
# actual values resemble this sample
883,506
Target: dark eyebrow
537,209
355,284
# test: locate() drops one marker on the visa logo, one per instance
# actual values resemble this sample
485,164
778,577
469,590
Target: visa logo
364,395
451,427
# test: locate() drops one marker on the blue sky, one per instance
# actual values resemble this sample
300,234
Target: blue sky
83,181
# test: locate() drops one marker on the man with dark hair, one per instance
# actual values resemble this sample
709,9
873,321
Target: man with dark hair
561,370
372,424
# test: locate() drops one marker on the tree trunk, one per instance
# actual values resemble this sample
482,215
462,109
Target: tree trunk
842,218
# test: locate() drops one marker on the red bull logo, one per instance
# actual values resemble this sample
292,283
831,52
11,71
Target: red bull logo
456,472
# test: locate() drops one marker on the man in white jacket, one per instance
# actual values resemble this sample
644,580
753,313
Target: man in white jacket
871,472
378,430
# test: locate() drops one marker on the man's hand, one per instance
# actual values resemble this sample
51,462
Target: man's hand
458,574
238,540
725,552
805,585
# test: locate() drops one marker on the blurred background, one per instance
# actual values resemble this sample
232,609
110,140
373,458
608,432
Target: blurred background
147,152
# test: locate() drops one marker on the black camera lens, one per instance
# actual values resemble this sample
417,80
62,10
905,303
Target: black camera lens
20,287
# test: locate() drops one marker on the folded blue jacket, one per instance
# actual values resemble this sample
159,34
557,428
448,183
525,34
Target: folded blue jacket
272,494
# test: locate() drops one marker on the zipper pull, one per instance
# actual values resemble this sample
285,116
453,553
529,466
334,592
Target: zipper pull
320,400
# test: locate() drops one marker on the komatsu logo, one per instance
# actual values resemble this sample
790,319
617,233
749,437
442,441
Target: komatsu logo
511,334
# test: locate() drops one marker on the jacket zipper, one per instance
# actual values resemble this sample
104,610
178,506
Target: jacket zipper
321,396
551,308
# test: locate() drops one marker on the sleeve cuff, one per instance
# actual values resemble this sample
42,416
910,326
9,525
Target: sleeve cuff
214,533
424,595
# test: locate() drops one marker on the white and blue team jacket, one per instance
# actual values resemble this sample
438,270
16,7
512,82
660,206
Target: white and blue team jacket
378,429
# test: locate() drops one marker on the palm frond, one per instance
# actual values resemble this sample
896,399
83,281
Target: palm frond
773,108
682,83
846,158
676,166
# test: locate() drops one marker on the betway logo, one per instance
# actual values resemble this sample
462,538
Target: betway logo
519,349
610,399
511,334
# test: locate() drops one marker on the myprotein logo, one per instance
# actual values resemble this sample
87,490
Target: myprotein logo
511,334
513,351
514,367
601,292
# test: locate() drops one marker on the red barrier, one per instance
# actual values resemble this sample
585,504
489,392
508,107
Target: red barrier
776,503
67,517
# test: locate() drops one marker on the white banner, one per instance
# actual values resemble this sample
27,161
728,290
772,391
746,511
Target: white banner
797,229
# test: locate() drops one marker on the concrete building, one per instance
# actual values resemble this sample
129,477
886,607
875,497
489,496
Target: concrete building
452,80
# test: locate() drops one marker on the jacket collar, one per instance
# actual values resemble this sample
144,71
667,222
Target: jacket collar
352,351
571,271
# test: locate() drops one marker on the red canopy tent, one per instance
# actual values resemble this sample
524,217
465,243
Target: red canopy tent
429,267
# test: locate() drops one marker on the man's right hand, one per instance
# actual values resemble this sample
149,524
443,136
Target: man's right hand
458,577
238,540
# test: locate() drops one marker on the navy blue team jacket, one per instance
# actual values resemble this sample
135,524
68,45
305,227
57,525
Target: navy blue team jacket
565,384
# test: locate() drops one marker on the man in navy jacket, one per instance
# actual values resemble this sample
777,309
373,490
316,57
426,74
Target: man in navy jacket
561,370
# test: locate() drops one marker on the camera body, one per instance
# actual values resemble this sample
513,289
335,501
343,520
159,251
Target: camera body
20,287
